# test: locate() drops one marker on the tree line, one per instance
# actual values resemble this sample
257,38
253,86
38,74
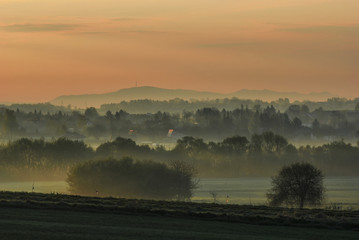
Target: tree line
261,155
208,123
178,105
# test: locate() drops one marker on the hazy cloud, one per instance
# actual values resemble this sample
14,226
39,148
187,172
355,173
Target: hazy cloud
125,19
147,32
231,45
90,33
344,29
38,27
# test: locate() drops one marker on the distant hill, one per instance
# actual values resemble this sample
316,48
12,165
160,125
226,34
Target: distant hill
5,103
268,95
154,93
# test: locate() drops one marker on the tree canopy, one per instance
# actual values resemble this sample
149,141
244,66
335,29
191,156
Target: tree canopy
298,185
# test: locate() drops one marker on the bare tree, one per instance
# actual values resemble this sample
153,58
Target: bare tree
299,184
185,181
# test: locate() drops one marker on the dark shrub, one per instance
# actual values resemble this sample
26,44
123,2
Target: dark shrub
130,179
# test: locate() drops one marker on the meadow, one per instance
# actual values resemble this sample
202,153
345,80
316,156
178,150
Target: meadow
250,191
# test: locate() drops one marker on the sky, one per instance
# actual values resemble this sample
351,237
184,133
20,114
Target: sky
50,48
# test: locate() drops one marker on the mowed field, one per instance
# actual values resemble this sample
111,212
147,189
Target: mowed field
52,216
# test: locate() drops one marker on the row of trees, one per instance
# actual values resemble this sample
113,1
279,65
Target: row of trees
178,105
208,123
261,155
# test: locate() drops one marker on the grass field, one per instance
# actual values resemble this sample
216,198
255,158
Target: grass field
51,216
343,190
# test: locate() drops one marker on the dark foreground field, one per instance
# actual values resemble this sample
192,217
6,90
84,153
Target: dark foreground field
51,216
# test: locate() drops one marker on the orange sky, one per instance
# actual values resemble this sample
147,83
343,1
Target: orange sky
55,47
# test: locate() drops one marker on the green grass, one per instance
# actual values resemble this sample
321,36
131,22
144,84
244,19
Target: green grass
44,216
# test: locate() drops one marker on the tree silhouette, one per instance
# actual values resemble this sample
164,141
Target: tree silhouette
299,184
132,179
236,144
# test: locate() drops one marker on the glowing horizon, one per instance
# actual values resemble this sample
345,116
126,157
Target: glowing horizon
53,48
